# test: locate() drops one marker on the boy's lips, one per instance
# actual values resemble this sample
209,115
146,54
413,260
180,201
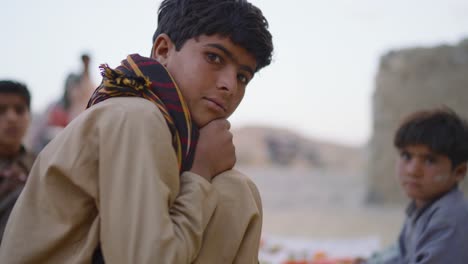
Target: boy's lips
220,103
411,184
11,131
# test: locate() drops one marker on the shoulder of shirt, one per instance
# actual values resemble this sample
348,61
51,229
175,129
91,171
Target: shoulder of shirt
451,208
127,103
129,106
133,110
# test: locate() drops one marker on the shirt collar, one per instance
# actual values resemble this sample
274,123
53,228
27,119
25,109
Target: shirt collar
412,211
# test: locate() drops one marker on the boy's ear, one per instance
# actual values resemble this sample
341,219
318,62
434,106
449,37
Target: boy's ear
460,172
162,49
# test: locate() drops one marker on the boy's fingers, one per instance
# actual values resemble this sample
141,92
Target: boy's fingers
13,173
22,177
219,122
7,173
225,123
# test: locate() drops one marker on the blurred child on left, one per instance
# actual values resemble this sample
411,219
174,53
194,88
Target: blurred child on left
15,160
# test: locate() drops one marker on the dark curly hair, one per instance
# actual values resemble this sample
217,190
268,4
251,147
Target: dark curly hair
13,87
239,20
441,130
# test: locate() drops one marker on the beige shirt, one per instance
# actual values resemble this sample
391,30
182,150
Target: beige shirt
111,177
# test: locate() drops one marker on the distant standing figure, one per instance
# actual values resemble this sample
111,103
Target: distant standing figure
85,87
77,91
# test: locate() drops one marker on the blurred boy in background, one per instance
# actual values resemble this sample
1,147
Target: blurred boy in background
15,160
433,155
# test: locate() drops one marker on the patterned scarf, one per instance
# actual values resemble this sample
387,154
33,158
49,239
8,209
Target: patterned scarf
138,76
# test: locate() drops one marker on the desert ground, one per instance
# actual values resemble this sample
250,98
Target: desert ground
322,205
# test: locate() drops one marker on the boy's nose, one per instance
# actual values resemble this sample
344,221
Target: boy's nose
228,81
11,114
413,168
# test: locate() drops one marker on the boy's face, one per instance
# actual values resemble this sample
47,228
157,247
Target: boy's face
425,175
211,73
14,120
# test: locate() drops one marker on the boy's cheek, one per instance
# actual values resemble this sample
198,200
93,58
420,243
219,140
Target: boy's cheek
440,178
400,172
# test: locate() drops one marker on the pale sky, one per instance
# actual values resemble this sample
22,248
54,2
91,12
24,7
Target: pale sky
320,82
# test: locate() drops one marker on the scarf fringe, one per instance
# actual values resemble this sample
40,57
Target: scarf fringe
117,78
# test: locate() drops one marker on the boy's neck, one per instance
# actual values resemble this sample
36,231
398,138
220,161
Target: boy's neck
421,204
8,151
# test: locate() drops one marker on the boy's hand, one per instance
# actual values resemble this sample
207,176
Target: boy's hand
10,178
215,152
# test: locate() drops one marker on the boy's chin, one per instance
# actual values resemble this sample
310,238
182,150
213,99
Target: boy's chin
203,122
411,188
412,194
200,124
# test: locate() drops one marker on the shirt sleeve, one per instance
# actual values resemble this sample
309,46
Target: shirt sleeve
144,216
240,208
389,255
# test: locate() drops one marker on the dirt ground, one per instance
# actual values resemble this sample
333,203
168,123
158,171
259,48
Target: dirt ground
321,204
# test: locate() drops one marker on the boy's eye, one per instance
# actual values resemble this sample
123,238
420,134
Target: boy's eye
405,155
3,109
242,78
213,58
430,160
20,109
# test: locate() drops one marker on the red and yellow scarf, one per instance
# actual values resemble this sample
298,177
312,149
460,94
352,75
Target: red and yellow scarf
138,76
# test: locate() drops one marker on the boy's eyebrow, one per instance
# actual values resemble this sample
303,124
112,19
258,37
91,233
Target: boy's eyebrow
430,154
229,54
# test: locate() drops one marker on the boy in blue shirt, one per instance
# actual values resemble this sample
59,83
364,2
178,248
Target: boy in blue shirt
433,154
